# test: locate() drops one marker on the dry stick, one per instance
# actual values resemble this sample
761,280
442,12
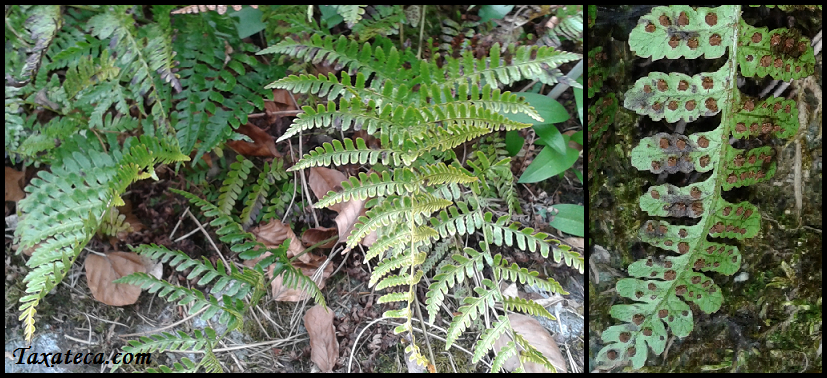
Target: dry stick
421,321
165,327
301,172
207,235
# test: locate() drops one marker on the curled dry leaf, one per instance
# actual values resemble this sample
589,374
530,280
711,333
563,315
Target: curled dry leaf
14,185
537,336
284,293
102,270
273,234
263,143
324,348
323,180
347,218
318,235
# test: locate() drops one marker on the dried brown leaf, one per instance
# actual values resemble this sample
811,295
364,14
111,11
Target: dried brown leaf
102,270
539,338
14,185
323,180
318,235
274,233
263,143
351,211
284,293
324,348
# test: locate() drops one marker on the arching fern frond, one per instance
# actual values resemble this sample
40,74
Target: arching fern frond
522,275
471,309
526,306
449,276
65,207
232,185
349,154
402,182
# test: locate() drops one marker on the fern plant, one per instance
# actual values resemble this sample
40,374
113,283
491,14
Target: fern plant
661,287
117,82
423,194
234,291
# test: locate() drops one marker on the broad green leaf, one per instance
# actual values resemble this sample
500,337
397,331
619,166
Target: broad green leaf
249,21
513,142
489,12
569,219
548,163
551,136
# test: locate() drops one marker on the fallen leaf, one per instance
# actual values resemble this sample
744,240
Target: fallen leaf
324,348
347,218
274,233
263,143
317,235
539,338
282,97
14,185
284,293
323,180
102,270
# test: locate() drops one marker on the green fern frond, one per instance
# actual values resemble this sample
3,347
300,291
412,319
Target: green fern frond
527,240
489,337
448,277
490,98
527,62
523,276
393,281
508,351
526,306
531,354
258,195
349,154
401,183
185,366
293,278
231,187
461,221
229,309
388,265
168,341
43,24
471,309
355,113
65,207
351,13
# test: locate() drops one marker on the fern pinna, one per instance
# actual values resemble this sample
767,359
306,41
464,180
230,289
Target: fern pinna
420,192
662,287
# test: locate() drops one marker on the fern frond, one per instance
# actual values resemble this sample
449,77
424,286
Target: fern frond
471,309
231,187
528,62
43,25
65,207
402,182
393,281
527,240
526,306
508,351
351,13
293,278
383,61
258,195
531,354
230,309
522,275
168,341
448,277
185,366
490,98
355,113
461,221
387,265
489,337
349,154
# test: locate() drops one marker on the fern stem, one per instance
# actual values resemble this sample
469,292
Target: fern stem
421,33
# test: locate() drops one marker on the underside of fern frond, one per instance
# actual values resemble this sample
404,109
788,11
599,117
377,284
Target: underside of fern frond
662,287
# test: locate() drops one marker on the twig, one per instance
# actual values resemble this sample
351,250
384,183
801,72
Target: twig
207,235
421,32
